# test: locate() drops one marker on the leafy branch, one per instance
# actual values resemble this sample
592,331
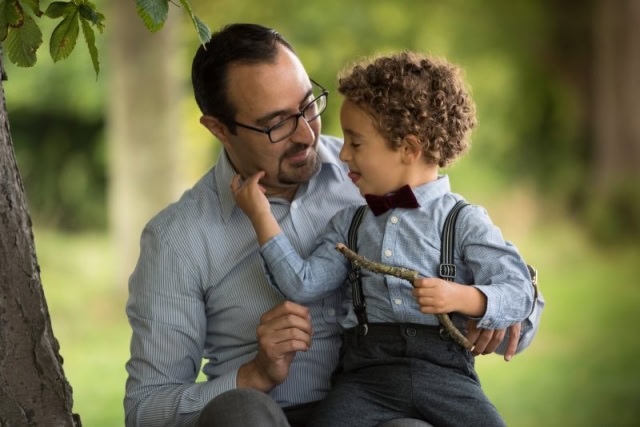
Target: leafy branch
22,35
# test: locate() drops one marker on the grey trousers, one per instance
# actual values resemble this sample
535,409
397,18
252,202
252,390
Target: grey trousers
404,371
245,407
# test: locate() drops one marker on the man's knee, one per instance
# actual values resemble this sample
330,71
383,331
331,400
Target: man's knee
242,407
405,422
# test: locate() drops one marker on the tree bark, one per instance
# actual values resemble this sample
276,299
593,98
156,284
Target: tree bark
33,387
143,126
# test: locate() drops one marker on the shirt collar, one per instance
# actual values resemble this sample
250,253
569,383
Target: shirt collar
432,190
224,173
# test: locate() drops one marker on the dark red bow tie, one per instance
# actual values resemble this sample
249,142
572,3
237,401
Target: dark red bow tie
403,198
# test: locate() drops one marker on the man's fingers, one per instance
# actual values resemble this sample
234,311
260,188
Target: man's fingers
286,321
290,334
472,331
483,340
494,342
514,338
286,307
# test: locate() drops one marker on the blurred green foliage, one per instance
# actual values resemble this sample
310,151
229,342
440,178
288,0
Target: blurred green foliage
526,108
581,369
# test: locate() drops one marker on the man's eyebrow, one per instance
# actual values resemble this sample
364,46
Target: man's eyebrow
269,116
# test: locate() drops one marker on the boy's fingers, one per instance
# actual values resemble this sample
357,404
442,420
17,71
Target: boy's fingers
256,177
235,183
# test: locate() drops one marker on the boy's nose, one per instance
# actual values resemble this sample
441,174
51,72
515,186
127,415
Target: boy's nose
344,156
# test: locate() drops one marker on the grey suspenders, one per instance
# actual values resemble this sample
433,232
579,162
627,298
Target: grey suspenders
446,271
359,305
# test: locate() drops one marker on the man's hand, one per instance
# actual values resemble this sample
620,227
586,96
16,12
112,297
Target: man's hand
282,332
486,341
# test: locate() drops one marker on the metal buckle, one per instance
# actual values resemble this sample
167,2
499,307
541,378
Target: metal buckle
363,329
447,271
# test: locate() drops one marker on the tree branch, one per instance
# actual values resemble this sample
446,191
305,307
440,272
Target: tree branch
409,275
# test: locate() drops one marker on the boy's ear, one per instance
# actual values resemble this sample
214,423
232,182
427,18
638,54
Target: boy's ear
216,127
411,149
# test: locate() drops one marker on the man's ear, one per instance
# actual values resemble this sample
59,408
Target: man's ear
411,149
216,127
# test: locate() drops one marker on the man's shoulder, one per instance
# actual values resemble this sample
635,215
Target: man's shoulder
196,208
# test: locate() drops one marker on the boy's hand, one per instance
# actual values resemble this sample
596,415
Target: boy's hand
249,195
436,296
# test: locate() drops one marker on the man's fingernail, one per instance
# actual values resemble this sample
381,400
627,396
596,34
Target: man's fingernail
507,358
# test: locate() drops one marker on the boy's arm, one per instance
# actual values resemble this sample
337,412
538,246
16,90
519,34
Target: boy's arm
249,197
499,271
300,280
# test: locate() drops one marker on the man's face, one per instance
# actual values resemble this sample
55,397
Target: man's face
265,94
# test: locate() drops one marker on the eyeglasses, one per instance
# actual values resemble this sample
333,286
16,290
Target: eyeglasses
288,126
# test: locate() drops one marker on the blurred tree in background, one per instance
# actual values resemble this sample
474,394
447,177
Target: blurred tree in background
538,69
557,88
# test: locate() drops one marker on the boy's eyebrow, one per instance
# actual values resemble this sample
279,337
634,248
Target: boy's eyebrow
351,132
267,117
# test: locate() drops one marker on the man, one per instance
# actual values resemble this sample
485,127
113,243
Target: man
199,289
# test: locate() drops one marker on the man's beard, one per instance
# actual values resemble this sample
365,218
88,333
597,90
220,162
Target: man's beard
297,174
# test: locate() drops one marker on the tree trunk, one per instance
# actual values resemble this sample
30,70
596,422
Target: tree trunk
33,387
143,126
616,84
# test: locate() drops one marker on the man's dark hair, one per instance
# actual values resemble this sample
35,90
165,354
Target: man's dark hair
234,44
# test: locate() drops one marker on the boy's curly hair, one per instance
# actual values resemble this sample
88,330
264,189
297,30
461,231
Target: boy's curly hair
414,94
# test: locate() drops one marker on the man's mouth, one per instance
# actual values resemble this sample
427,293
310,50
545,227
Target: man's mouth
299,156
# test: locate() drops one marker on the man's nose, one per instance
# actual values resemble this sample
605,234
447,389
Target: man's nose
304,133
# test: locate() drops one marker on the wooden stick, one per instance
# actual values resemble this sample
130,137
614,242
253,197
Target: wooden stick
409,275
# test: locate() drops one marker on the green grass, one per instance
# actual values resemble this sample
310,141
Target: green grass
581,370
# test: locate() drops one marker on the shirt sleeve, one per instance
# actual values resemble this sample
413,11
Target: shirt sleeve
499,272
166,310
306,280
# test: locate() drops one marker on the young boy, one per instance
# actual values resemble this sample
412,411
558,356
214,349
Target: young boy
403,117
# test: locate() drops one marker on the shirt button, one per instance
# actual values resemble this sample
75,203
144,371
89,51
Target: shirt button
411,332
388,252
398,301
394,220
294,205
332,312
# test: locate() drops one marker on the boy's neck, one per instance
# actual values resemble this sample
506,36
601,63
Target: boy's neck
422,175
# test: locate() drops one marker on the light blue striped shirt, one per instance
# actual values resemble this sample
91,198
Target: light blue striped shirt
199,290
409,238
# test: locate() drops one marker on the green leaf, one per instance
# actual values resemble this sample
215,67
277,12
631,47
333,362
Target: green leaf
153,13
59,8
64,36
11,15
22,43
90,38
87,13
204,33
34,5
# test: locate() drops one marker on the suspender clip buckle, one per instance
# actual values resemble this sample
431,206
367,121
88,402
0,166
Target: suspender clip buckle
447,271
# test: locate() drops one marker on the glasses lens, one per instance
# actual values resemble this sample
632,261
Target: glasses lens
313,110
283,129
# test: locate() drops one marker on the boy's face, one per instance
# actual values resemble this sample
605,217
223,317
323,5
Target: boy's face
374,167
